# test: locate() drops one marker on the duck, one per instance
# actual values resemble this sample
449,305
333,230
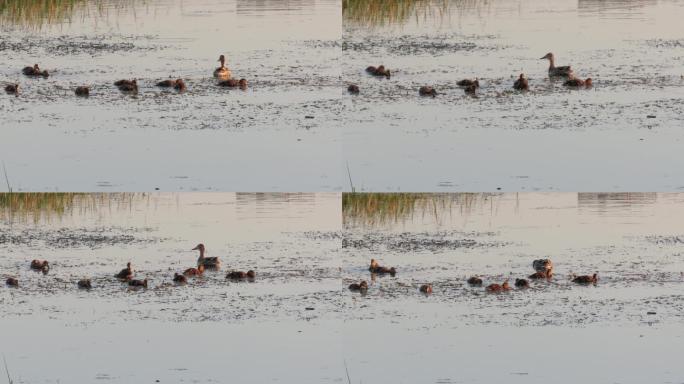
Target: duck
40,265
84,284
427,91
12,282
539,275
137,283
180,85
222,72
239,275
126,273
207,262
194,271
362,286
233,83
522,283
475,281
577,83
470,90
34,71
12,89
564,71
426,288
376,268
586,279
498,288
179,279
353,89
169,83
468,83
127,85
380,71
543,265
521,84
82,91
119,83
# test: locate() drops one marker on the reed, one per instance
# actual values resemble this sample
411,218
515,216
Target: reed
37,13
381,12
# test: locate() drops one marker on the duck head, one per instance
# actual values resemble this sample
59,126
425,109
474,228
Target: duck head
588,82
199,247
374,264
548,56
505,285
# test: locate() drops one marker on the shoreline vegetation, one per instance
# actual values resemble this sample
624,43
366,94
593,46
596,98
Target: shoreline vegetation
37,13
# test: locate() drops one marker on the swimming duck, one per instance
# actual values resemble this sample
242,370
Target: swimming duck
84,284
471,89
543,265
137,283
12,89
40,265
521,84
127,85
468,83
576,83
126,273
233,83
119,83
34,71
239,275
353,89
586,279
498,288
474,280
222,72
180,279
427,91
362,286
380,71
522,283
207,262
180,85
169,83
426,288
12,282
376,268
194,271
565,71
539,275
82,91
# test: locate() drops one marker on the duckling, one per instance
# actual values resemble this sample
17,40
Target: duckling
539,275
84,284
586,279
564,71
376,268
353,89
169,83
494,288
427,91
362,286
180,85
521,84
222,72
468,83
128,86
475,281
208,262
119,83
577,83
82,91
34,71
380,71
137,283
194,271
233,83
470,90
239,275
40,265
126,273
522,283
179,279
426,288
12,282
12,89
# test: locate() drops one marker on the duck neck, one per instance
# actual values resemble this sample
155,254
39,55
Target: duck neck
551,63
223,63
201,256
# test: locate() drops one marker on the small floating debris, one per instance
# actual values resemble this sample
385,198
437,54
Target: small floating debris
650,313
309,308
651,116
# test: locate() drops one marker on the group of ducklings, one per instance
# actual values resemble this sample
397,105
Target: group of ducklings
543,270
470,86
127,274
131,86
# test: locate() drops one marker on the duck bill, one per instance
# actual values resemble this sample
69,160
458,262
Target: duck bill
196,248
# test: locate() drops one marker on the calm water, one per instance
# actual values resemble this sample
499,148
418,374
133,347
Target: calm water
460,334
551,138
203,332
262,139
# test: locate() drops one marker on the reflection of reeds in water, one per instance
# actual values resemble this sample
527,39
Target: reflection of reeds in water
36,13
380,12
372,209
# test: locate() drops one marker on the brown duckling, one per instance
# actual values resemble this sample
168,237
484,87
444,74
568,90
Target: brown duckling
12,89
137,283
427,91
522,283
179,279
233,83
577,83
494,288
127,86
353,89
84,284
521,84
475,281
126,273
12,282
377,268
208,262
540,275
180,85
362,286
468,83
239,275
82,91
169,83
470,90
40,265
34,71
380,71
586,279
426,288
119,83
194,271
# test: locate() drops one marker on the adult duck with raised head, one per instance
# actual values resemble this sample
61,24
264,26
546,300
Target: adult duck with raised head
222,72
207,262
563,71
